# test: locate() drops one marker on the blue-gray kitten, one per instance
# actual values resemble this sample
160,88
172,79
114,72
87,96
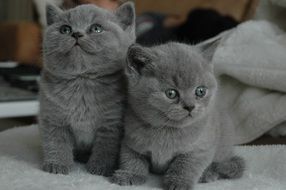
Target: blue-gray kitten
82,86
172,126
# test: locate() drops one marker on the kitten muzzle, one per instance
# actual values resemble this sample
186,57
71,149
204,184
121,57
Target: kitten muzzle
77,35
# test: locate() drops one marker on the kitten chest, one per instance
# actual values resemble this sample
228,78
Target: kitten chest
83,111
160,158
164,149
160,147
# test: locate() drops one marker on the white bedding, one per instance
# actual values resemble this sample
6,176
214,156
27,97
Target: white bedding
20,159
251,65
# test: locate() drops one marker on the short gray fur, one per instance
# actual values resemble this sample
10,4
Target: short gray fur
161,134
82,87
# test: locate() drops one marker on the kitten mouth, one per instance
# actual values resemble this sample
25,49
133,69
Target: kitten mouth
190,115
79,46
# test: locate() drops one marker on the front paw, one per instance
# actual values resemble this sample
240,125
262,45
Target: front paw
210,174
177,187
208,177
124,178
100,168
56,168
176,183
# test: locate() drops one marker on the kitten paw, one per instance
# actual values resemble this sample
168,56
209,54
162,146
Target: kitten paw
210,174
56,168
177,186
99,168
175,183
209,177
125,178
231,169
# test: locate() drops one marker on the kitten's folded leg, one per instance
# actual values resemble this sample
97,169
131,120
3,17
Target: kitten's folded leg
210,174
57,146
232,168
185,170
133,168
105,151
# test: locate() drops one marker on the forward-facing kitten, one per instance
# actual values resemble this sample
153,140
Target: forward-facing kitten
172,126
82,86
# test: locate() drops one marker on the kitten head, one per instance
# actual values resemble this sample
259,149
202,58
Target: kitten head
170,85
88,39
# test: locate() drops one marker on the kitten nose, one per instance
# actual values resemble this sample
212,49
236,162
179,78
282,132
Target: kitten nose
77,35
189,108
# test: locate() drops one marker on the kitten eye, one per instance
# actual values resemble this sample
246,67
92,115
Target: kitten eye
201,91
65,29
96,28
172,94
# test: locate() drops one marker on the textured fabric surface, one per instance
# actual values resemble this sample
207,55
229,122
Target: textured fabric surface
20,159
251,67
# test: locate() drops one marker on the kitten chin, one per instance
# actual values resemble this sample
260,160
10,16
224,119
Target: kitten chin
190,121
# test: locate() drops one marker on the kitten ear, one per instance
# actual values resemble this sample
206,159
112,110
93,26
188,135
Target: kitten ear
126,15
52,13
210,46
138,58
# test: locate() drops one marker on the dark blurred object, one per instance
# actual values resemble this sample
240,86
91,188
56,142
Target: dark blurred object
240,10
203,24
150,29
268,140
200,25
16,10
21,42
68,4
23,76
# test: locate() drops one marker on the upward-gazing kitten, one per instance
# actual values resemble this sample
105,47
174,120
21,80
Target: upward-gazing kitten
82,87
172,126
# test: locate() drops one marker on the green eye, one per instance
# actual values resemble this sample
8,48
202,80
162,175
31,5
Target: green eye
96,28
172,94
65,29
201,91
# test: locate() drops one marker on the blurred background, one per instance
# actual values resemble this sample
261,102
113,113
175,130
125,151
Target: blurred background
23,21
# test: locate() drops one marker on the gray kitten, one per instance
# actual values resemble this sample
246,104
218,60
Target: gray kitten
172,126
82,86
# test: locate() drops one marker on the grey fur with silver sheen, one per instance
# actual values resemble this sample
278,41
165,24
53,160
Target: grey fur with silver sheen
182,137
82,87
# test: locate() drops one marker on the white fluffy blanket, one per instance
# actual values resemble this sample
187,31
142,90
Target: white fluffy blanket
20,160
251,65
